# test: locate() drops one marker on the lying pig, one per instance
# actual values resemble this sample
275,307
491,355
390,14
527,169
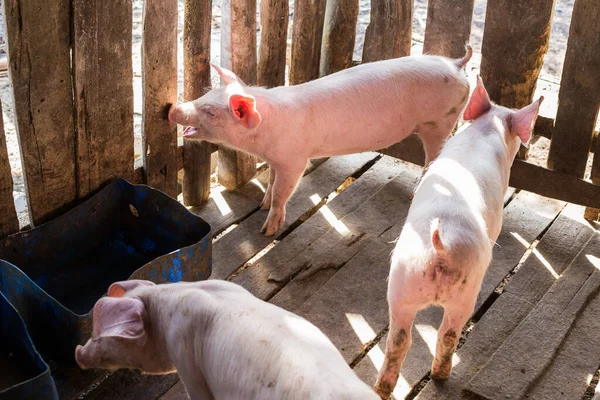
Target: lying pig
446,243
365,108
224,343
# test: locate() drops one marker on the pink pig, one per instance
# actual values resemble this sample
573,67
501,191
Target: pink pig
224,343
364,108
446,243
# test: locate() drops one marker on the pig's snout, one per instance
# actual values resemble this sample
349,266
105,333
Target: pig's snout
79,357
171,111
181,114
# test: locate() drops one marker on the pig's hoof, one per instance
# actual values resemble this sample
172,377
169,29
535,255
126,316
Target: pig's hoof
265,205
440,374
384,390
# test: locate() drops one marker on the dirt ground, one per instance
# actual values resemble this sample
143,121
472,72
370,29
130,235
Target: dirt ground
551,70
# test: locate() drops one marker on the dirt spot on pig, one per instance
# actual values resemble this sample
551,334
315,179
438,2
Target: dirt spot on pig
452,111
432,124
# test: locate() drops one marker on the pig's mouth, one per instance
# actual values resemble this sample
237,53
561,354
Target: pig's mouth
189,131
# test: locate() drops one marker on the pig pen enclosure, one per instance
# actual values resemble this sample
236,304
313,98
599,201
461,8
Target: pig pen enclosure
534,333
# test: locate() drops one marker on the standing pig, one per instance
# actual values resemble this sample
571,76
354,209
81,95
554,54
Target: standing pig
224,343
364,108
446,244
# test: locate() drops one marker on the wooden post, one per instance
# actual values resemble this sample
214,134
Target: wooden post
159,82
389,33
238,53
594,213
339,35
103,83
307,33
196,77
579,96
38,40
9,223
515,41
448,27
273,42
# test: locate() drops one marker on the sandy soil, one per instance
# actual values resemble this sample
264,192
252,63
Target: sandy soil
551,72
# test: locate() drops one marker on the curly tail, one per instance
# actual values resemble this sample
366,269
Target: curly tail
436,241
463,61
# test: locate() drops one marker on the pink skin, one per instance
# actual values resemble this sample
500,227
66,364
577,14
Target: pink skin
446,244
223,342
365,108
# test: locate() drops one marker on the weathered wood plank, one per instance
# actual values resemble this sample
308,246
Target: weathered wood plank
524,356
9,223
339,34
594,213
579,96
132,385
177,392
197,18
448,27
241,244
40,71
103,83
389,34
273,42
159,80
410,149
307,33
238,54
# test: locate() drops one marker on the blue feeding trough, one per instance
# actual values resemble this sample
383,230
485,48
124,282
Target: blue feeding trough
23,373
56,272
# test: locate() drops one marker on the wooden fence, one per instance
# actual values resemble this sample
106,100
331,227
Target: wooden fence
71,72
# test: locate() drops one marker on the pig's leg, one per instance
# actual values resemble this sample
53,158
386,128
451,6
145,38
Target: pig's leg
286,180
266,203
455,318
397,345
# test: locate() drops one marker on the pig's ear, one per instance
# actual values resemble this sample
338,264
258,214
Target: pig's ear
226,75
523,121
243,108
479,103
119,289
119,317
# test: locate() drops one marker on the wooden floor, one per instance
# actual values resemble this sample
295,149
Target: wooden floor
535,333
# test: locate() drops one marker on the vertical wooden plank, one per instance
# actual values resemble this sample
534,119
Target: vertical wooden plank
9,223
159,87
307,33
273,41
238,53
339,35
594,213
103,82
579,95
197,18
38,41
389,33
448,27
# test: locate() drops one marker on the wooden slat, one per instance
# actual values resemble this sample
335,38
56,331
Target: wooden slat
103,81
197,19
273,42
307,33
177,392
38,38
594,213
579,96
339,34
389,34
9,223
159,80
238,54
448,27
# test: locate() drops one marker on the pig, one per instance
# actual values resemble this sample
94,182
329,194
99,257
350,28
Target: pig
223,342
445,246
364,108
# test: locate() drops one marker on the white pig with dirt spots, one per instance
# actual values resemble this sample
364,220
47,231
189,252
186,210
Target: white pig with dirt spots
445,246
364,108
223,342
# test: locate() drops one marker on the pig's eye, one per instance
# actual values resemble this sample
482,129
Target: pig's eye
209,112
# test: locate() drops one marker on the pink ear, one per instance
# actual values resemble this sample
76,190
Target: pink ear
523,121
479,103
243,108
119,317
119,289
226,75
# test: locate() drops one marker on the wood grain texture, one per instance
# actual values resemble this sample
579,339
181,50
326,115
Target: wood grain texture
579,95
40,71
273,42
159,85
448,27
389,34
197,18
9,223
103,83
307,33
594,213
339,34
